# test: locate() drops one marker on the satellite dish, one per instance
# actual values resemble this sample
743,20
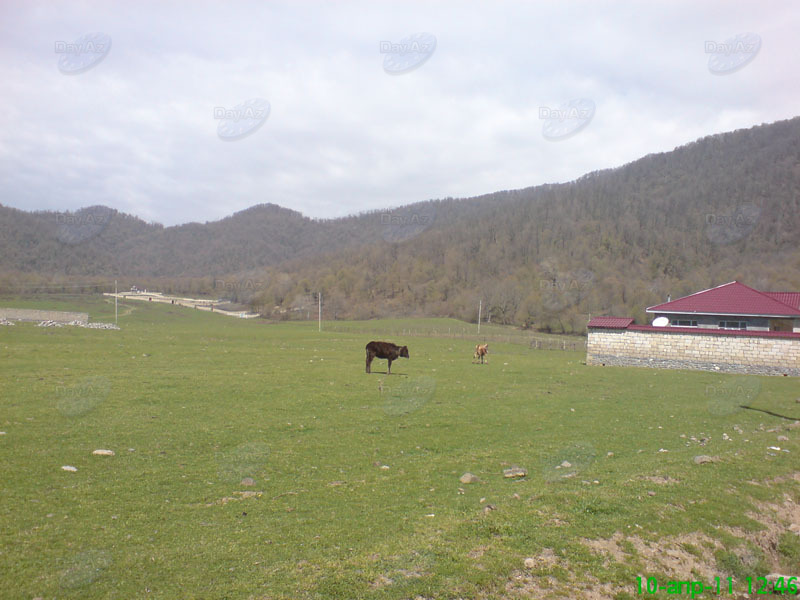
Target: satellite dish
660,322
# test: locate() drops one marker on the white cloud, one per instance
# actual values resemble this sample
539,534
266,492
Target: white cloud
138,133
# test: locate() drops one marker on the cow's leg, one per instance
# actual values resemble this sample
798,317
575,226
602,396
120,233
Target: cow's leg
390,366
369,360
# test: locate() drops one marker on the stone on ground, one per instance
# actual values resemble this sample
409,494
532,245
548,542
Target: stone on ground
515,472
703,459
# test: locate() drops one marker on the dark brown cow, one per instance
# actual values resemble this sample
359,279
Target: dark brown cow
385,350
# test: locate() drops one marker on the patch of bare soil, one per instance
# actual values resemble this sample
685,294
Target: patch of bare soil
776,518
591,589
667,555
381,582
670,555
661,479
477,552
784,478
546,559
525,585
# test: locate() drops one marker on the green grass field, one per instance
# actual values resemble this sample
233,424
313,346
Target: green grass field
356,477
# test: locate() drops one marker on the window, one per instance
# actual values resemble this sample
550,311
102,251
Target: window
733,324
683,323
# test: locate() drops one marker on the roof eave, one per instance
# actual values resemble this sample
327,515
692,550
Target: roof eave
723,314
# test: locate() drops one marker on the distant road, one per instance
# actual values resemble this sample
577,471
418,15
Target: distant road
197,303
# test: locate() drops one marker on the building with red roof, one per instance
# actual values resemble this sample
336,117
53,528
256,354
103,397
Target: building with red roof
733,306
730,328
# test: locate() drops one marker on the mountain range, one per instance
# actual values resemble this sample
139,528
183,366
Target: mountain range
725,207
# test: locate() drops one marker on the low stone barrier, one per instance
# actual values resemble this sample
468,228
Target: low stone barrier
754,353
27,314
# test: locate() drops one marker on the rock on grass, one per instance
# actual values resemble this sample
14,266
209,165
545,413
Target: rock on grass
468,478
515,472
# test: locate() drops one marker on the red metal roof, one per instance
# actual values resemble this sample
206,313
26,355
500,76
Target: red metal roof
732,298
610,322
790,298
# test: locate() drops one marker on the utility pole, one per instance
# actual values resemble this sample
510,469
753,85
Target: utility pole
480,306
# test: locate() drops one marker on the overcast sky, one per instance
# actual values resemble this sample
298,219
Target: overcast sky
344,107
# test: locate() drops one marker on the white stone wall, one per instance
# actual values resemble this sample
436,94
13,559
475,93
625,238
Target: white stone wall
711,352
26,314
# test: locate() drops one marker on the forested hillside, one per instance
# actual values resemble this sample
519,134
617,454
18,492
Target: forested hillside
612,242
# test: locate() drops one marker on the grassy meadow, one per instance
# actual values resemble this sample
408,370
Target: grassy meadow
355,489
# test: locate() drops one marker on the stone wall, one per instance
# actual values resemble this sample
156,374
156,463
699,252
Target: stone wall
26,314
729,353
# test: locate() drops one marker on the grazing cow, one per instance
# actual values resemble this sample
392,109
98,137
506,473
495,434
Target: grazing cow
385,350
481,350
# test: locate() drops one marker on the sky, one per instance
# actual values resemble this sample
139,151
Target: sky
181,111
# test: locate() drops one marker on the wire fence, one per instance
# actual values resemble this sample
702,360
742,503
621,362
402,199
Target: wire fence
565,343
550,344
